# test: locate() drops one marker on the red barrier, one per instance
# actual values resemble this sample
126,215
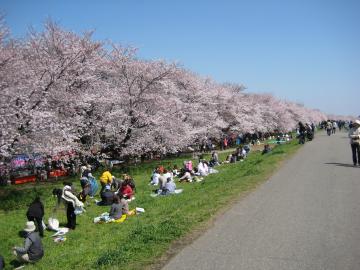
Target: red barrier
58,173
25,179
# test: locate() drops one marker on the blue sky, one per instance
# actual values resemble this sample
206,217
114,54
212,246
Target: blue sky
304,51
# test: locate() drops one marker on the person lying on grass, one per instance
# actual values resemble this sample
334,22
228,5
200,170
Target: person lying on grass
33,249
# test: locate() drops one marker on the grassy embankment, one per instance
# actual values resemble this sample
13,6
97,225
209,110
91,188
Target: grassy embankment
141,240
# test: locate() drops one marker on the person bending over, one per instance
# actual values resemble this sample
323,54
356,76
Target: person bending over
35,213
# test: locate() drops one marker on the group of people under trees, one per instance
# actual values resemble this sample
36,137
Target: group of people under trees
164,178
114,193
117,192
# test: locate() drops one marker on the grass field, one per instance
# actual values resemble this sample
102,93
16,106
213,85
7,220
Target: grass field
142,241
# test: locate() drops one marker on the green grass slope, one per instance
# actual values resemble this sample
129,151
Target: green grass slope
141,241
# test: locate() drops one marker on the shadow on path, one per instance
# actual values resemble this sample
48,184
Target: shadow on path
340,164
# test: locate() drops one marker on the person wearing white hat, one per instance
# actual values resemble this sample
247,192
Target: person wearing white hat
354,135
33,249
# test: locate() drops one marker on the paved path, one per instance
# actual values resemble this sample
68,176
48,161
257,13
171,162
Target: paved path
307,216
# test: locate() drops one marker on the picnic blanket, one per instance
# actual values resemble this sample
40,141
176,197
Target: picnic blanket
104,217
177,191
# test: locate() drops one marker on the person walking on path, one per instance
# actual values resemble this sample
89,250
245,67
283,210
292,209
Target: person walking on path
354,135
329,128
33,249
335,126
36,213
302,131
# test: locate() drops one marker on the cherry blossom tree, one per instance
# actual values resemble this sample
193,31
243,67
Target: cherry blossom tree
53,69
143,109
65,91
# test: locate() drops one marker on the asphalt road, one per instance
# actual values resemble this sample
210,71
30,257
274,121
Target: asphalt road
307,216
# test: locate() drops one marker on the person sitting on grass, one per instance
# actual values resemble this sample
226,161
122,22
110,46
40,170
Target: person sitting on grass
240,153
186,177
105,179
160,169
266,149
188,165
168,174
116,209
154,181
175,171
130,182
33,249
169,187
214,161
126,191
124,204
107,196
247,148
228,159
35,213
116,183
119,208
114,214
162,179
202,169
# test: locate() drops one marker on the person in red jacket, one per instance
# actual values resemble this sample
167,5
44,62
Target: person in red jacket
126,191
